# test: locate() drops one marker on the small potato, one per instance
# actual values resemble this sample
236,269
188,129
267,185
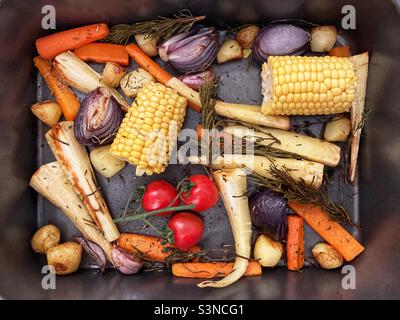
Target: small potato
148,45
327,256
105,163
45,238
47,111
246,53
246,36
337,130
112,74
268,251
65,258
323,38
229,50
134,81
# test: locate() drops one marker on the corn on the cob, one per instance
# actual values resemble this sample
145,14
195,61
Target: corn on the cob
294,85
148,132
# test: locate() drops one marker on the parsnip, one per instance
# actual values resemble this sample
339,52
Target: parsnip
47,111
147,44
311,172
229,50
104,162
76,166
232,185
112,74
310,148
50,181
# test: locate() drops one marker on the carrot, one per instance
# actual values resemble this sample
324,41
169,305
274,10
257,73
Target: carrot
51,45
207,270
331,231
65,97
199,127
103,52
148,64
156,71
150,246
340,51
295,243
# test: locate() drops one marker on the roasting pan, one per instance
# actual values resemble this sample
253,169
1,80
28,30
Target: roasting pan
372,201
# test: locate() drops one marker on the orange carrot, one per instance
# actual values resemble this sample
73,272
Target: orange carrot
331,231
65,97
199,127
51,45
150,246
148,64
207,270
340,51
103,52
295,243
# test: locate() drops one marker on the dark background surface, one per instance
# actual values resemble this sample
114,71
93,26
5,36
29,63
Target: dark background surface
378,274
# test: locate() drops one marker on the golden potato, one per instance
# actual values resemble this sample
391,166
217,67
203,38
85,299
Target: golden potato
134,81
65,258
268,251
112,74
337,130
45,238
229,50
327,256
246,36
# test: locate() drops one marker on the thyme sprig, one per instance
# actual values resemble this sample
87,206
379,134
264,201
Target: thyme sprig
161,28
300,191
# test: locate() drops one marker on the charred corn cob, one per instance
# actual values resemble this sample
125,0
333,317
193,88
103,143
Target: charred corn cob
294,85
149,130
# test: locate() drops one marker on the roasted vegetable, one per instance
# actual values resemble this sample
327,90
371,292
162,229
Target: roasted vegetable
103,161
134,81
81,76
47,111
268,252
191,51
327,256
309,148
112,74
295,243
75,164
195,80
268,211
46,237
103,52
323,38
246,36
307,85
337,129
146,143
280,40
51,183
126,262
147,44
98,118
93,250
65,258
229,50
232,185
311,172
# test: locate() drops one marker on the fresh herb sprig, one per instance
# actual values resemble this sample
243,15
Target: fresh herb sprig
161,28
300,191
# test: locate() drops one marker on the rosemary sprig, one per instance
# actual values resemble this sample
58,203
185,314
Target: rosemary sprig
302,192
161,28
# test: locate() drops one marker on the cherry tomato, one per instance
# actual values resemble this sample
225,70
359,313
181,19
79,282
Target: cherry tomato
158,195
204,195
188,229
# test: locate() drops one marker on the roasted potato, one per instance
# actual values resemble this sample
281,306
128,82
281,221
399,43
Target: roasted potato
327,256
65,258
45,238
229,50
47,111
112,74
135,80
268,251
106,164
247,35
337,130
323,38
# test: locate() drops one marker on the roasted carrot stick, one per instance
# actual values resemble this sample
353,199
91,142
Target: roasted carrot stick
340,51
51,45
199,127
331,231
150,246
103,52
207,270
295,243
65,97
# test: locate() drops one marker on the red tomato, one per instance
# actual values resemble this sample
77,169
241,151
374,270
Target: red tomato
188,229
158,195
204,195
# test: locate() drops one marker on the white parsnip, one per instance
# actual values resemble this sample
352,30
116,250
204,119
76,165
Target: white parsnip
76,166
50,181
112,74
307,147
47,111
311,172
232,185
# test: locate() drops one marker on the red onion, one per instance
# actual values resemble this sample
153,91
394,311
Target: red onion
98,119
195,80
125,262
94,251
191,51
280,40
